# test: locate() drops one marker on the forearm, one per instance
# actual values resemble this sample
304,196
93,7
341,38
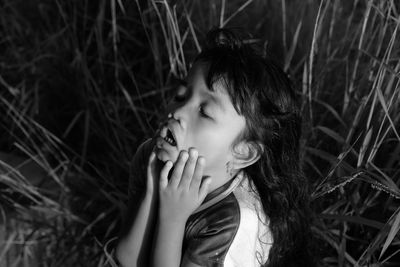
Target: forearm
133,249
168,243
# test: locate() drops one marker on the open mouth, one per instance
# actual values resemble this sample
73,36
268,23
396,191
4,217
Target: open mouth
169,138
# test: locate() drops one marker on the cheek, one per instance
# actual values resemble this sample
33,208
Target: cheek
213,145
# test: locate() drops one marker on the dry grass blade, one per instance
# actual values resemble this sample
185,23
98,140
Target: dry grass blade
317,25
392,233
289,55
364,147
374,245
353,219
240,9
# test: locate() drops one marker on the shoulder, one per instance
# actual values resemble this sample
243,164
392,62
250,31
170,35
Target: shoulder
210,232
254,238
232,232
225,213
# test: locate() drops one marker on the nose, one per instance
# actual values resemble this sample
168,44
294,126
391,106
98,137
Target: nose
180,114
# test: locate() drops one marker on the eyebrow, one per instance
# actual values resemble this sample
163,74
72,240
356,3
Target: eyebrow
216,100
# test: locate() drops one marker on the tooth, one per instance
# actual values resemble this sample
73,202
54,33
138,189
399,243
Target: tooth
169,140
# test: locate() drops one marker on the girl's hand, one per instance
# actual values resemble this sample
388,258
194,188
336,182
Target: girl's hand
185,191
153,171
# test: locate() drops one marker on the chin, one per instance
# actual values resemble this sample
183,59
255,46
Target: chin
164,155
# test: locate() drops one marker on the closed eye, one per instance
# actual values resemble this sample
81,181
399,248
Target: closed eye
180,93
202,113
179,98
179,90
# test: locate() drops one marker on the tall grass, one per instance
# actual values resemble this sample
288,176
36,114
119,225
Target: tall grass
84,82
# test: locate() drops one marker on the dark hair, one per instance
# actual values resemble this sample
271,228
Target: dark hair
263,94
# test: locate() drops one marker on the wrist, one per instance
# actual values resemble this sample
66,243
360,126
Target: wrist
177,224
172,218
150,198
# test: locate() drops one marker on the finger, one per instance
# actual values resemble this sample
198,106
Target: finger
164,174
178,168
189,168
203,191
198,172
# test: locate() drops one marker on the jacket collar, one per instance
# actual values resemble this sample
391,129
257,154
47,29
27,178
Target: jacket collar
221,192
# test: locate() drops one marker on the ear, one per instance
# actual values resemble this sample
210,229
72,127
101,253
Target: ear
246,154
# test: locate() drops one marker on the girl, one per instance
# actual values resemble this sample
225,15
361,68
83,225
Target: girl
220,183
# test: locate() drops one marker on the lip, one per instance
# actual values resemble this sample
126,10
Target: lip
161,143
164,130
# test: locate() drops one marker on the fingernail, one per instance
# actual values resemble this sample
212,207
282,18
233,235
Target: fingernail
201,160
184,155
193,152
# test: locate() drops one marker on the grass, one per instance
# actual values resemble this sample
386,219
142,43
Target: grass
84,82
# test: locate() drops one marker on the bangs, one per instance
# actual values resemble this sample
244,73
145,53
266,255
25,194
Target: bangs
226,66
257,87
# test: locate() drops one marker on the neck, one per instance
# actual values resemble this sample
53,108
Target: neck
219,177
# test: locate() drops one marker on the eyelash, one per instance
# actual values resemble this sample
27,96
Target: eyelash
179,98
203,114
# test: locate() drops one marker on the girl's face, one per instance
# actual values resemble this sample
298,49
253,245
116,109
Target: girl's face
201,119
